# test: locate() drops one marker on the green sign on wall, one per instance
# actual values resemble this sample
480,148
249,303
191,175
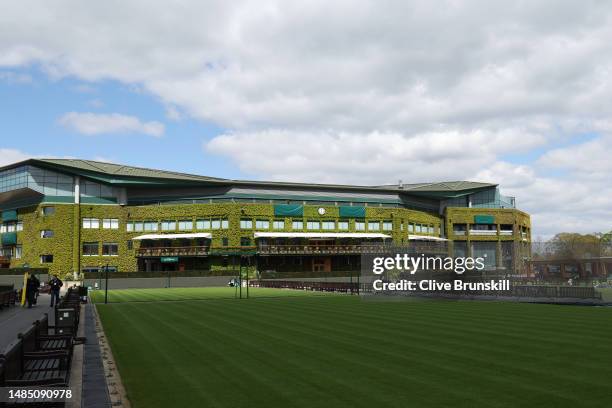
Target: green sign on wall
484,219
169,259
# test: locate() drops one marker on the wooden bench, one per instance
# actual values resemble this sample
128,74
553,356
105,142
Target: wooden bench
8,298
47,341
20,368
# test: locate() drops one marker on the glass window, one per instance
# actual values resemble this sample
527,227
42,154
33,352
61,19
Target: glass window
313,225
297,225
91,223
401,226
138,226
278,224
129,226
328,225
431,229
359,226
225,241
48,211
46,258
3,228
168,225
110,249
110,223
373,226
150,225
418,227
410,227
46,234
130,244
203,224
90,249
11,227
387,225
19,226
185,225
18,251
262,224
246,224
245,241
343,225
224,224
215,224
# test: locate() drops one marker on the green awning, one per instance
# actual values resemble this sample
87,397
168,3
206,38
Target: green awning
10,215
288,210
9,238
352,212
484,219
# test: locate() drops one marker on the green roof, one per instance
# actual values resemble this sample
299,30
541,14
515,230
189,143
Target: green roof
119,174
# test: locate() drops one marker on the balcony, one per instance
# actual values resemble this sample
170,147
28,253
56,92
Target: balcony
488,233
307,249
458,233
506,233
173,251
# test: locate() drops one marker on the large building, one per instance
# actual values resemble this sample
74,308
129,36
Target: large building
76,215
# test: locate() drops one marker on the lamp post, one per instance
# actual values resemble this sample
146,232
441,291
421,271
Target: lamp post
106,285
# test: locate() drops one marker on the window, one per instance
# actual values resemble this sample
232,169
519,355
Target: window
46,258
359,226
418,228
246,224
185,225
129,226
90,249
202,224
262,224
48,211
19,226
431,229
387,225
130,244
91,223
410,227
215,224
138,226
11,227
168,225
224,224
343,225
401,226
313,225
150,225
46,234
110,249
297,225
2,228
278,224
245,241
328,225
373,226
110,223
18,251
225,241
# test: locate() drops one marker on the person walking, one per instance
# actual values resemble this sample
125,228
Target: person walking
55,283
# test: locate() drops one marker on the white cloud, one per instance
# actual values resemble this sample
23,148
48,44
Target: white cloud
88,123
8,156
356,91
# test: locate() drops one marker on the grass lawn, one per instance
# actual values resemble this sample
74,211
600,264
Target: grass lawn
178,294
340,351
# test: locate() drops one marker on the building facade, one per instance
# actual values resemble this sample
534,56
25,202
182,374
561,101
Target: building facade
77,215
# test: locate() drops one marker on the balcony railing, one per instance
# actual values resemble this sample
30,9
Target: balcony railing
459,233
320,249
483,232
505,232
174,251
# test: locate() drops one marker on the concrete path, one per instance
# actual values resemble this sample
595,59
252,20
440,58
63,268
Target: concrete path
94,392
17,319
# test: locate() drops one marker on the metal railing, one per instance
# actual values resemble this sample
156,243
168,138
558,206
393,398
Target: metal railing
174,251
320,249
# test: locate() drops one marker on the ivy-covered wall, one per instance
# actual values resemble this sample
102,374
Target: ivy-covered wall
516,218
69,236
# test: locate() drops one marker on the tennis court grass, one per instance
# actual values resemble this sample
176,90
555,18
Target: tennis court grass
200,293
340,351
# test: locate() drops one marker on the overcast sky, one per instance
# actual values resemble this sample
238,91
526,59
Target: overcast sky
517,93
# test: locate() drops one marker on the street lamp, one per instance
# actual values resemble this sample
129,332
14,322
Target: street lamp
105,283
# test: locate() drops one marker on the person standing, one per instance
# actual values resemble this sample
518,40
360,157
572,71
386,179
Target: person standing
31,289
55,283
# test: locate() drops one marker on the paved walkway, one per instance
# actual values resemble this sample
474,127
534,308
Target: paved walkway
17,319
95,391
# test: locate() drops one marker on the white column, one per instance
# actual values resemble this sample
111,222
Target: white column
77,189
